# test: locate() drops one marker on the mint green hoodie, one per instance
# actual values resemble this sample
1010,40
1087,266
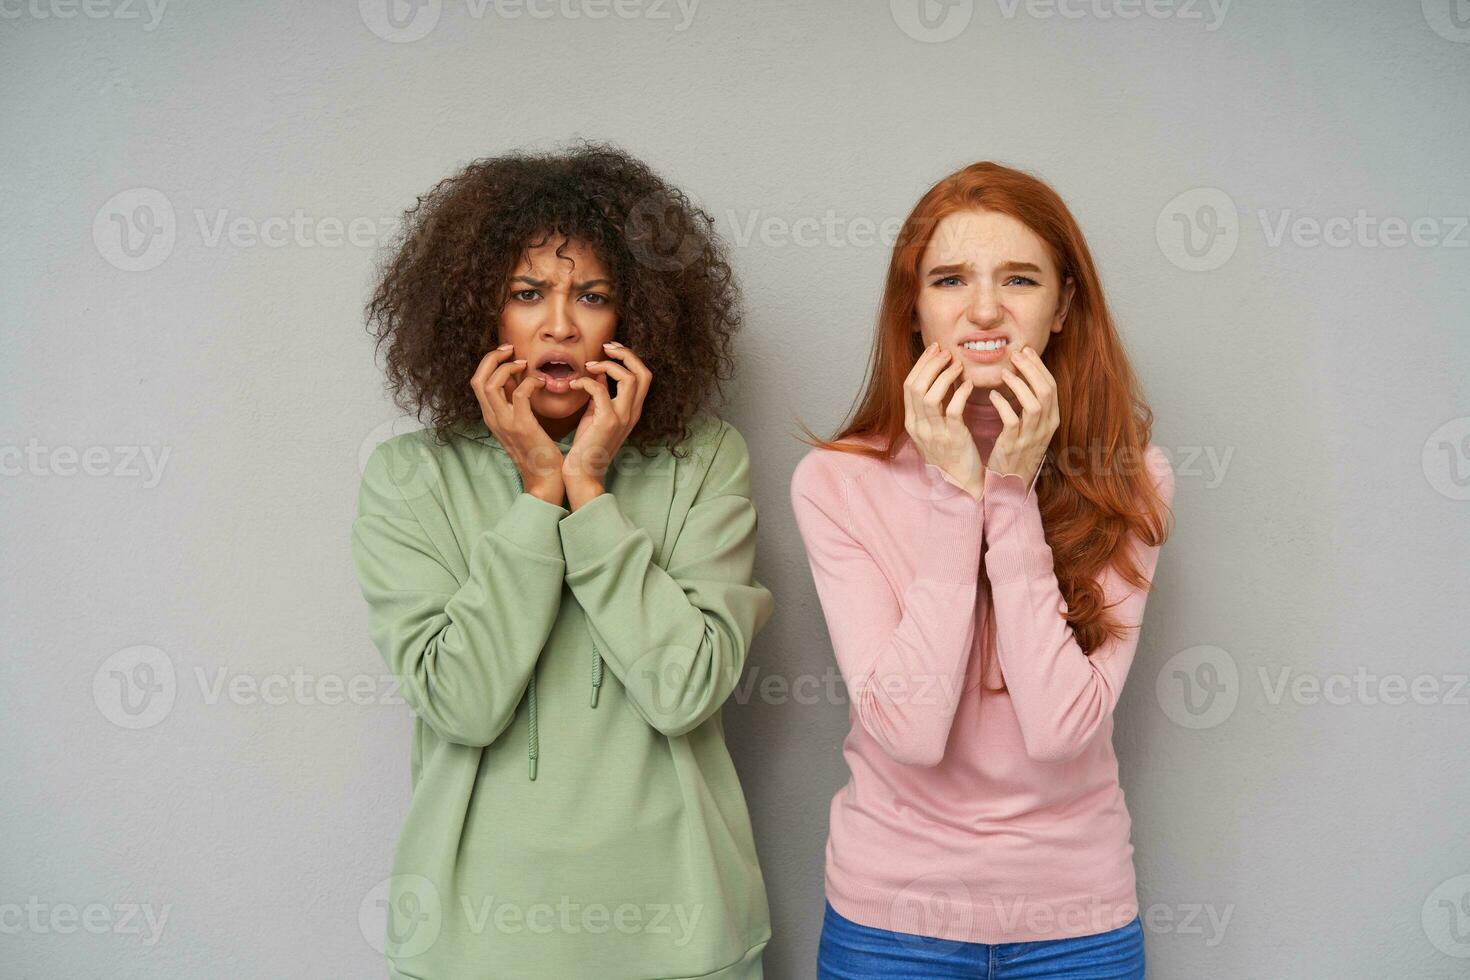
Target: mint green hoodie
575,812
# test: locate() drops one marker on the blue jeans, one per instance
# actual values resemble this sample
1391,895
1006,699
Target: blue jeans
850,951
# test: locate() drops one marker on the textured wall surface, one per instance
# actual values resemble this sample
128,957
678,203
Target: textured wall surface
200,775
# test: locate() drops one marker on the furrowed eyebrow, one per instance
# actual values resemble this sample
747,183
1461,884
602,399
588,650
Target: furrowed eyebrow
577,287
1021,267
952,268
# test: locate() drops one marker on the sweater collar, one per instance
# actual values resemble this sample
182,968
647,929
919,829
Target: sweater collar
480,432
982,418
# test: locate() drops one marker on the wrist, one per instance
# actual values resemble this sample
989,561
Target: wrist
551,492
974,485
580,492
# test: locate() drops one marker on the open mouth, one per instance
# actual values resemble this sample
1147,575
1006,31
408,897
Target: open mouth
558,373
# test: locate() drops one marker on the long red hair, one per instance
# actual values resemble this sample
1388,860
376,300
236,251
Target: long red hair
1100,490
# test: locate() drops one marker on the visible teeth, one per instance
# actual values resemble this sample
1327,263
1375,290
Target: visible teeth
986,344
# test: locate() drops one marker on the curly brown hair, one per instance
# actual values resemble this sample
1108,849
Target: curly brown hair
438,299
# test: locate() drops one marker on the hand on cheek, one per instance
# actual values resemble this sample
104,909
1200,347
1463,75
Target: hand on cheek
1023,440
607,421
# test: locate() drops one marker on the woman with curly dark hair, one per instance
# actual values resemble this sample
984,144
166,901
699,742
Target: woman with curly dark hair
559,570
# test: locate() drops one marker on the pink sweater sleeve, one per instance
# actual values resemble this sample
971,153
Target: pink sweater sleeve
903,658
1061,696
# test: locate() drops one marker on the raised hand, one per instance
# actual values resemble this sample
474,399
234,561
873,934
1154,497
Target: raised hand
1021,445
607,421
935,420
506,408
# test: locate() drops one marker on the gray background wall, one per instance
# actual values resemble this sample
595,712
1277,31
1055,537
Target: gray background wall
185,407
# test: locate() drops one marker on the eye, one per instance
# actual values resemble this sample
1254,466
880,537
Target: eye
1025,279
525,295
597,299
947,279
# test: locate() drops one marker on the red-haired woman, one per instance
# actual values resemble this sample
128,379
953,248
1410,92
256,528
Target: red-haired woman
982,535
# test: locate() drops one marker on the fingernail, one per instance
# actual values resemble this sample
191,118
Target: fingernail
505,346
590,363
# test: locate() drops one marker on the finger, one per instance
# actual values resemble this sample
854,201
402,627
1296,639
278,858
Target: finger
1037,376
1023,391
503,387
500,384
1031,408
1041,381
490,363
487,364
596,386
641,381
928,353
922,375
493,357
911,386
521,398
1007,414
935,396
625,377
916,382
1044,389
628,384
625,354
961,398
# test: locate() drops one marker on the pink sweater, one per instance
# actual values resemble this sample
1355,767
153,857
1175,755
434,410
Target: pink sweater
984,802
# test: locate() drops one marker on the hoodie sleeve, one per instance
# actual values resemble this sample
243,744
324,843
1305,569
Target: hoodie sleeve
903,658
462,642
1061,695
676,637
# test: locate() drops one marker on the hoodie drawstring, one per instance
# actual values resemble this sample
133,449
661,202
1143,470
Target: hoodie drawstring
533,748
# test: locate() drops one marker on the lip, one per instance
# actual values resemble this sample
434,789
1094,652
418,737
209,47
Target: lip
985,356
559,386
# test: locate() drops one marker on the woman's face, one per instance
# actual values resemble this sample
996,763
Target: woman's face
987,280
559,311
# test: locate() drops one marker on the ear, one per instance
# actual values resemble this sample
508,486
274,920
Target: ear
1069,289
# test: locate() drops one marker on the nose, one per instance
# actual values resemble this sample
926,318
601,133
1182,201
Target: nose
560,325
984,308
